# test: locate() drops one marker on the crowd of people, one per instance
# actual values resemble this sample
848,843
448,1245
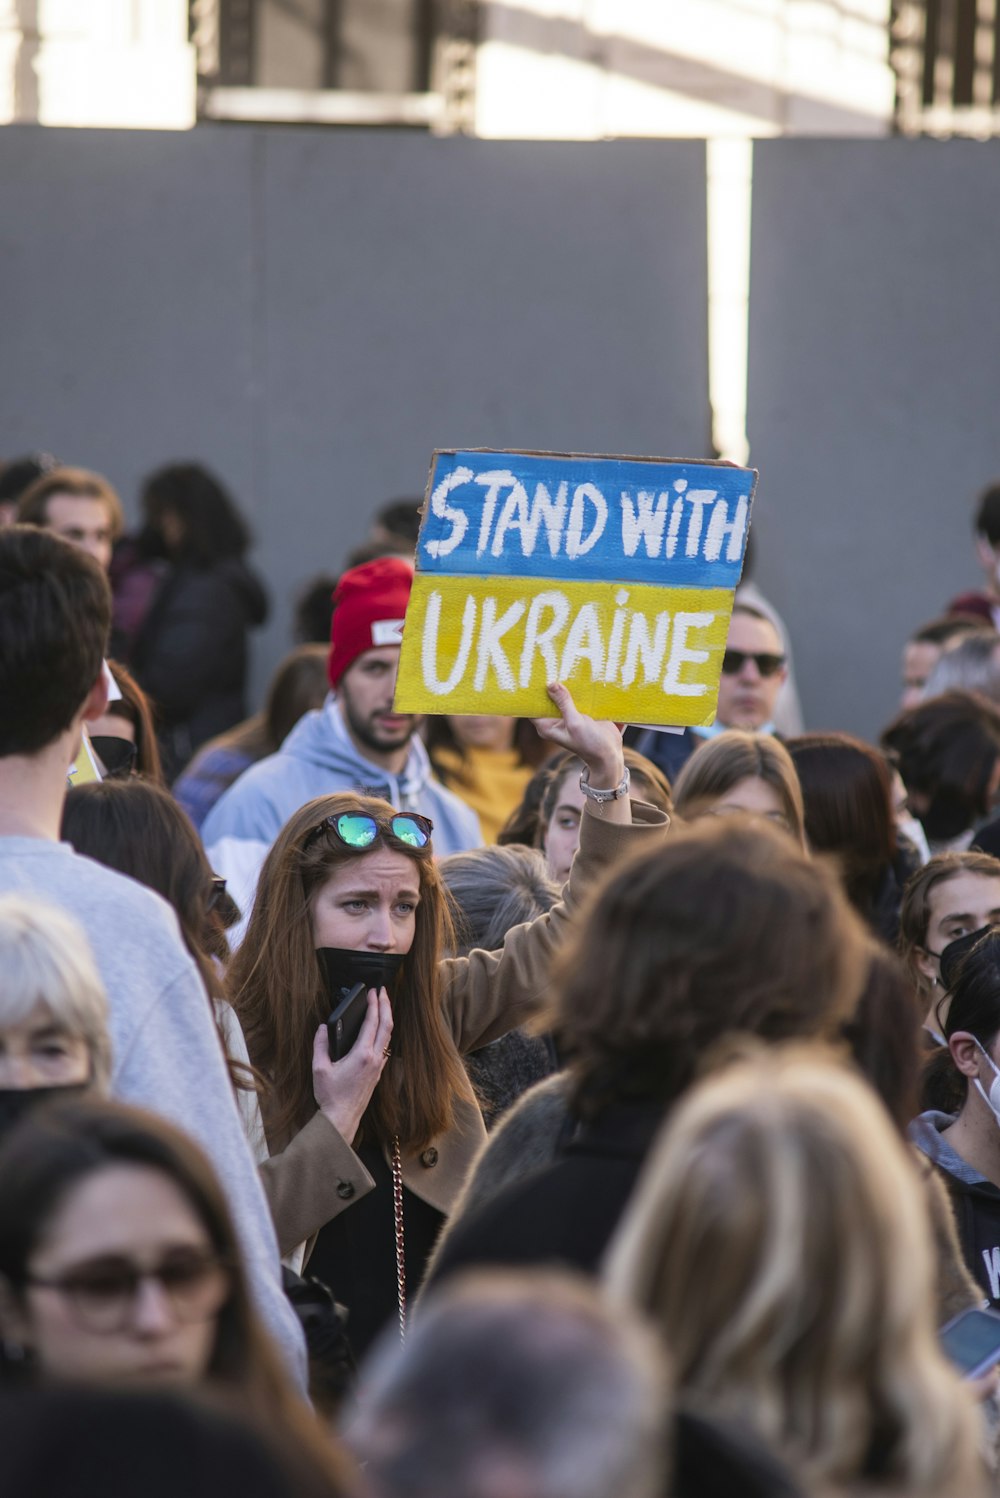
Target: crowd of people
469,1107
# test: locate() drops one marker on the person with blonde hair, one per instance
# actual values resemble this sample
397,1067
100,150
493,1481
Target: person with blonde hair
779,1239
78,505
53,1008
742,772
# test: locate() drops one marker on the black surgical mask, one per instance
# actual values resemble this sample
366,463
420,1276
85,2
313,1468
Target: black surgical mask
16,1102
952,956
118,756
342,969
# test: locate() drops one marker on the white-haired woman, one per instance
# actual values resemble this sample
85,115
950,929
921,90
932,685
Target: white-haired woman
53,1008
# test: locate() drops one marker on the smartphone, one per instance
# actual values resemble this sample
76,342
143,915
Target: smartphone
972,1341
344,1025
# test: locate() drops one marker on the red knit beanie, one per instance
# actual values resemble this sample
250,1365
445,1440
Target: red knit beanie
368,609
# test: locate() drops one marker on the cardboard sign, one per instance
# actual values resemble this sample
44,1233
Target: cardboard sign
614,575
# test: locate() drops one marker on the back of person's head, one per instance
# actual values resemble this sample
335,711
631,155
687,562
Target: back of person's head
970,663
398,521
187,496
314,610
884,1035
721,763
781,1186
493,889
55,613
987,517
137,828
297,685
78,483
116,1443
946,627
45,963
514,1386
946,751
723,929
18,474
847,794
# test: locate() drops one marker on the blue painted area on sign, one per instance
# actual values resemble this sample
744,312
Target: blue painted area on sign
581,517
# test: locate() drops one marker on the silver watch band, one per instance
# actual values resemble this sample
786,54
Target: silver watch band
601,797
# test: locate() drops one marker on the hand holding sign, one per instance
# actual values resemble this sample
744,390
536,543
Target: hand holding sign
598,744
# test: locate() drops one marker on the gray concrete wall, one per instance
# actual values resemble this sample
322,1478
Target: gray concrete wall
312,312
874,378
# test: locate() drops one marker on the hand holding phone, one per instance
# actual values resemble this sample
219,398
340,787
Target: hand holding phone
344,1025
343,1087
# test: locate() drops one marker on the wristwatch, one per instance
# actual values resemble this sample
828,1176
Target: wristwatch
601,797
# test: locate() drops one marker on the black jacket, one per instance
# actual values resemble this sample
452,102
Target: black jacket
191,653
565,1213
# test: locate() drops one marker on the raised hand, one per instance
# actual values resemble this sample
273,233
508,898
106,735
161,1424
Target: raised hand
599,744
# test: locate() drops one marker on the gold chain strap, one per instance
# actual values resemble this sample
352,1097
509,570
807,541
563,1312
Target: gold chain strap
397,1209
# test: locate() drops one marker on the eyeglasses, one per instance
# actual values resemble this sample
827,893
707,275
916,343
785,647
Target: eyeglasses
216,893
358,830
103,1295
768,665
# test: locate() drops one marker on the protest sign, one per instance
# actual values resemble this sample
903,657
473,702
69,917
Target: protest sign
614,575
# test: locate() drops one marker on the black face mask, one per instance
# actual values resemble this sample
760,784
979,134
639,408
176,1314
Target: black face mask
952,956
342,969
16,1102
118,756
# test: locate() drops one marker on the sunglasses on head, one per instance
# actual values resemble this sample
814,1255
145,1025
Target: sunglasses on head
734,660
357,829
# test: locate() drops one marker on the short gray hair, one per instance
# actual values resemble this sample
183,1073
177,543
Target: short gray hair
970,664
45,959
492,889
528,1376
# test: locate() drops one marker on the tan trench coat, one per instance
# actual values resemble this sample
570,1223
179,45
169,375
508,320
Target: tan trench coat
318,1175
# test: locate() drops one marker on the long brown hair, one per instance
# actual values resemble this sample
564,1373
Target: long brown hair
278,992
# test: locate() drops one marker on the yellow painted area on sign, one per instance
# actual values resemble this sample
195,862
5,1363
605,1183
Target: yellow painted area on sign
627,652
84,769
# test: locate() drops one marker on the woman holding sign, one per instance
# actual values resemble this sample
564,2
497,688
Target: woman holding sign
350,895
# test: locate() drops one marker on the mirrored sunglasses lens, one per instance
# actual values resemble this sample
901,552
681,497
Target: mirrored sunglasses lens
357,831
409,831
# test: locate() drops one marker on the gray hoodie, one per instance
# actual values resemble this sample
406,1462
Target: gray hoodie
319,758
165,1047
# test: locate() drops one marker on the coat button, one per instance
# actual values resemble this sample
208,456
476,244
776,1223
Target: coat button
429,1158
345,1191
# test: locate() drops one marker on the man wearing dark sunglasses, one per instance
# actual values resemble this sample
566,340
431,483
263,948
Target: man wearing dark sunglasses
753,671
